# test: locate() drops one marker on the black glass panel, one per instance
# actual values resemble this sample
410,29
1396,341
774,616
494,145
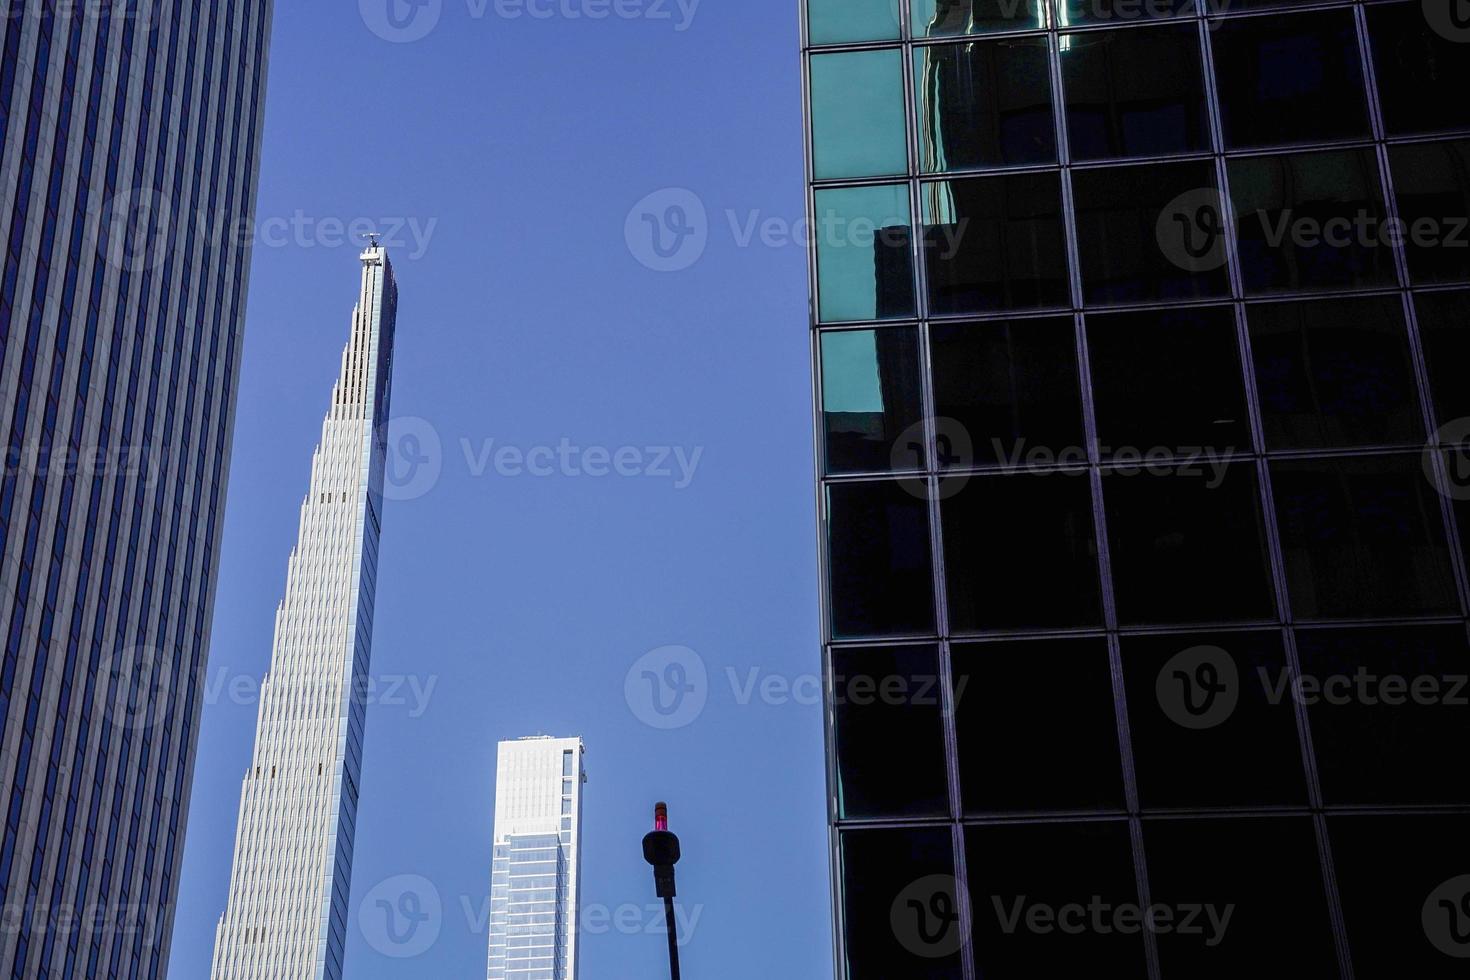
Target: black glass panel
1432,184
889,734
1421,72
1010,386
1209,723
1128,11
1265,875
1054,900
879,542
943,18
1020,551
1145,233
1290,79
1362,536
984,104
1390,712
1405,887
1335,373
1310,221
1444,328
995,243
1176,535
1168,381
871,399
1137,92
1036,726
898,898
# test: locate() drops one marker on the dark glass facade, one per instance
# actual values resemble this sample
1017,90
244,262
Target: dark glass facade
1143,480
129,145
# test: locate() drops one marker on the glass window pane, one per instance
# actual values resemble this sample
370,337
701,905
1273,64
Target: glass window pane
882,582
1135,92
1296,78
1208,724
1391,871
1020,551
1125,11
1266,874
1335,373
995,243
884,869
1362,536
1172,533
1298,217
1444,327
1011,386
871,399
942,18
857,114
864,253
1142,234
1168,380
1388,711
889,733
1036,726
1417,68
984,104
1020,869
843,21
1432,184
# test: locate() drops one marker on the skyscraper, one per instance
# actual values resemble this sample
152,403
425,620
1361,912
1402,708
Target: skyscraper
129,147
286,918
537,863
1142,482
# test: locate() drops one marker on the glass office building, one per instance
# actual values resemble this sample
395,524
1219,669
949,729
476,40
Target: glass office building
1143,482
129,147
535,874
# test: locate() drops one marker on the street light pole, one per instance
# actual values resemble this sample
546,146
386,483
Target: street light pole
661,849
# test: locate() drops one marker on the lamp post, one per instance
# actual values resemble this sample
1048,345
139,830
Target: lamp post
661,849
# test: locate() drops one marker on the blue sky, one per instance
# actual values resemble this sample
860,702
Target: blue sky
522,155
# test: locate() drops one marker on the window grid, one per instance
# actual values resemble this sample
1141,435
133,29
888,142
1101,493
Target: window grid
1258,456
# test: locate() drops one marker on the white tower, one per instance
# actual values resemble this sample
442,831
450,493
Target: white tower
537,861
286,918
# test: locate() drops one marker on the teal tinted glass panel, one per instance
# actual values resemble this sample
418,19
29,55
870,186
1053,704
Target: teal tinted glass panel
857,115
949,18
844,21
864,253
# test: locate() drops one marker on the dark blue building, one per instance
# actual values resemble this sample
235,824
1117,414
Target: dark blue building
129,146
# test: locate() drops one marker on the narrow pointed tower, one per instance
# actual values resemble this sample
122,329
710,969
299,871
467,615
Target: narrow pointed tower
286,918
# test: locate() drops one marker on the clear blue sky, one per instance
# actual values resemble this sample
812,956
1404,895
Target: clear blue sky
534,314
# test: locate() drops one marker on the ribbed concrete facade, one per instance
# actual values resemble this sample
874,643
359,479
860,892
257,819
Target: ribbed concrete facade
287,912
129,147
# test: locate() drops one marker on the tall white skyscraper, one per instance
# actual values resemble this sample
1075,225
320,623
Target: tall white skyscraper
536,869
287,913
